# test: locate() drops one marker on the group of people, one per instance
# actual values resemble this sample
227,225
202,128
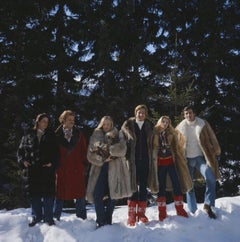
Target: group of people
125,163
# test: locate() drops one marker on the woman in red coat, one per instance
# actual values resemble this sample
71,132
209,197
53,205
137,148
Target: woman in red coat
70,176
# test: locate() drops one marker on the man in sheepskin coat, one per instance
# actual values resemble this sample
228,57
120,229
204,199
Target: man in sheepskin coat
201,150
138,132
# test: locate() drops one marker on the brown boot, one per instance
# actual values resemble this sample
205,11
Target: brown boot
209,211
132,213
161,202
141,212
178,200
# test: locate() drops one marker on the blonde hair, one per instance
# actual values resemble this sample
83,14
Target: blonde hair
62,118
158,125
100,125
141,106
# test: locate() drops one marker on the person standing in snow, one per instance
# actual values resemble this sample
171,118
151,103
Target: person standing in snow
138,131
70,175
201,149
38,154
169,160
109,177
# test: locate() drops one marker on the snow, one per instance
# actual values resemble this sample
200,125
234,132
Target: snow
196,228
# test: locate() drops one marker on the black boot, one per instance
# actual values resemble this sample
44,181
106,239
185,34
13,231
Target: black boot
209,211
34,222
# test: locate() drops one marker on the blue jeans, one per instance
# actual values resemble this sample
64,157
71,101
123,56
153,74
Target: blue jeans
80,208
42,208
162,175
199,163
104,209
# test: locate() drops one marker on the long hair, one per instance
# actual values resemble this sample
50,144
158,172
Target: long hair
39,118
100,125
158,125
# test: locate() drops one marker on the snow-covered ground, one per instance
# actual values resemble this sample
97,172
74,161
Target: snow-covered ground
196,228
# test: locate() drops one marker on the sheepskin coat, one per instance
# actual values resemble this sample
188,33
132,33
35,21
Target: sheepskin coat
118,172
178,158
128,129
207,142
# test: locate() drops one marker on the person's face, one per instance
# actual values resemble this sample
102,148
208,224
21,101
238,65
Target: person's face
107,125
189,115
43,123
164,123
69,122
141,114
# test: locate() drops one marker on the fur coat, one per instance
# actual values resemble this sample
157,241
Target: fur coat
40,180
178,158
128,130
118,172
207,142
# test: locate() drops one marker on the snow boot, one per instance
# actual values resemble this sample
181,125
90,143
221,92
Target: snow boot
178,200
209,211
132,213
141,212
162,209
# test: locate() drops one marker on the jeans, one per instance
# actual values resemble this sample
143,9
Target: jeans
42,208
104,208
199,163
162,175
80,208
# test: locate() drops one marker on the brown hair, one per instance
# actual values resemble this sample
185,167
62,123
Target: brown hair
141,106
39,118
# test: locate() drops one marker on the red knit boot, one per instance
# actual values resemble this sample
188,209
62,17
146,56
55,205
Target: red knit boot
141,212
161,201
132,213
178,200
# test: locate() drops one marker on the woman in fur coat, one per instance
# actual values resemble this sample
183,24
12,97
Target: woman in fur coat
38,155
109,176
169,161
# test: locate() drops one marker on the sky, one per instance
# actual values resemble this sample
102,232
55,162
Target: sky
196,228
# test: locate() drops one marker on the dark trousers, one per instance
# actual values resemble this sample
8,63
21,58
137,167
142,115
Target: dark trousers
142,168
42,208
162,175
81,211
104,208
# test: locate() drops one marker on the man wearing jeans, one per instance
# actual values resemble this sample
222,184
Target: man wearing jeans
201,150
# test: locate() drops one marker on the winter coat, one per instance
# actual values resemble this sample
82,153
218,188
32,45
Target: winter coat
118,172
207,142
40,180
70,180
128,129
178,159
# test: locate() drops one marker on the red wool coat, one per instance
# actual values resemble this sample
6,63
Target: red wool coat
70,175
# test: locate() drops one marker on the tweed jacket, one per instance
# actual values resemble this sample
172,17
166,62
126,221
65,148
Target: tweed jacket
207,142
129,132
118,172
178,158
